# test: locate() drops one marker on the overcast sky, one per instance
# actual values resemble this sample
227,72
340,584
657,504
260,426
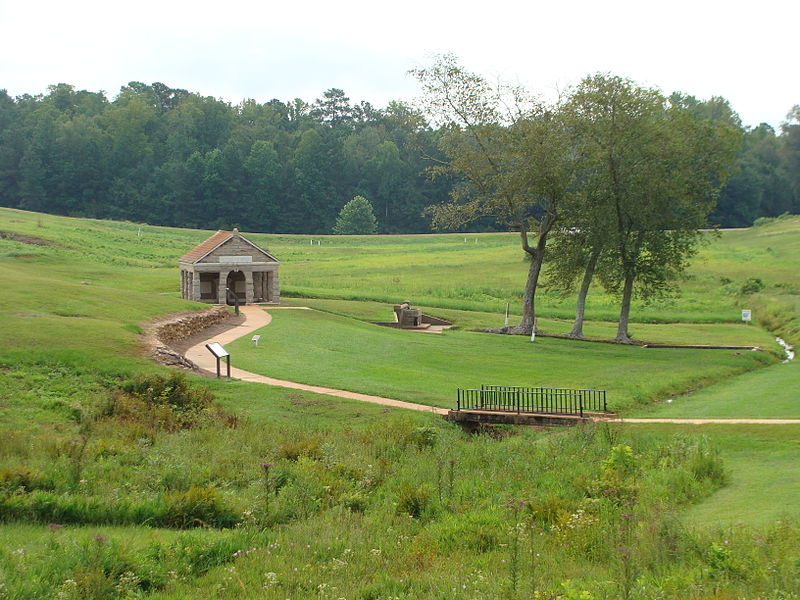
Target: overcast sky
744,51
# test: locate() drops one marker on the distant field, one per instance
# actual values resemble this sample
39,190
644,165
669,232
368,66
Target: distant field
442,271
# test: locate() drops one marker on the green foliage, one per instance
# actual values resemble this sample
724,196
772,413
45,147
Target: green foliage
356,218
751,286
412,500
21,477
199,506
165,155
294,449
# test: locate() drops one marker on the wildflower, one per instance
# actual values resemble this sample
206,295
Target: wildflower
55,526
100,539
19,551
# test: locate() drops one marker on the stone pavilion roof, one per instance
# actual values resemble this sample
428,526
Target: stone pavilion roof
201,250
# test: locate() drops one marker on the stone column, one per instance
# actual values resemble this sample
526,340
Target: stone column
248,286
222,296
194,278
274,287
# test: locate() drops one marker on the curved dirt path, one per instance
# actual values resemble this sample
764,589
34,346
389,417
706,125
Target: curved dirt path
256,317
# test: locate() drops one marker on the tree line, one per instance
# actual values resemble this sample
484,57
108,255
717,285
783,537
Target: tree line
171,157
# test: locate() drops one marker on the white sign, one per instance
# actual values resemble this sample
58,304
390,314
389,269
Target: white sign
217,350
747,315
255,339
232,260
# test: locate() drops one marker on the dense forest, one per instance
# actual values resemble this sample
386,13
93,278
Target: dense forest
167,156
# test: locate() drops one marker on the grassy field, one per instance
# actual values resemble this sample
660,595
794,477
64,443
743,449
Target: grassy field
763,463
235,490
767,393
318,348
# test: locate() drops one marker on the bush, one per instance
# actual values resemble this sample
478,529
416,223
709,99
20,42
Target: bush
24,478
197,507
412,500
751,286
166,402
294,450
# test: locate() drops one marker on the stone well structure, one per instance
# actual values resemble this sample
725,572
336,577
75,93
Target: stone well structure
229,260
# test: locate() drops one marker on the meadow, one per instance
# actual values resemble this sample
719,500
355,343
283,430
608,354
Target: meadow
119,479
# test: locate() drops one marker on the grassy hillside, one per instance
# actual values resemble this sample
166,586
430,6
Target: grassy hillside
115,486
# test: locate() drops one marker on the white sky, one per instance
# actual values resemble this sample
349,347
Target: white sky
744,51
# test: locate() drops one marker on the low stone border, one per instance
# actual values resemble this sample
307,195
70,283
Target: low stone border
160,334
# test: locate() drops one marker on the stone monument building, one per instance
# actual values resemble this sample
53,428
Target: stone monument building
229,260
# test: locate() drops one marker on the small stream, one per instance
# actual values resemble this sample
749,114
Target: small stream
789,350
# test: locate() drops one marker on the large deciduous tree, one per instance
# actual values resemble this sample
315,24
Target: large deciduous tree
512,154
655,169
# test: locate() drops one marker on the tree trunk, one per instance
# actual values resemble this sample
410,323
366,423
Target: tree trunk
588,274
627,292
525,326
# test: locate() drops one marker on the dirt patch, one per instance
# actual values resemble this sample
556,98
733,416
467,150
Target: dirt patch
25,239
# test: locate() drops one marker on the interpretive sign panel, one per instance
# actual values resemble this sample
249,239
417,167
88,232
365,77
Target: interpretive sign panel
217,350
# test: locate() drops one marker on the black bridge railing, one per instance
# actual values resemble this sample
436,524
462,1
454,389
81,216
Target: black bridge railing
509,398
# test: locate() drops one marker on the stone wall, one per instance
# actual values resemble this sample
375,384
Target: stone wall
187,325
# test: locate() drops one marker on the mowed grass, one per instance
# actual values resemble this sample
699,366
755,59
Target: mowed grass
763,465
720,334
324,349
771,393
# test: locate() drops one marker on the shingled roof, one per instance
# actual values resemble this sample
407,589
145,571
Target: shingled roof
200,251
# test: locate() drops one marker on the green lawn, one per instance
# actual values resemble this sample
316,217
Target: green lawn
771,393
330,350
763,465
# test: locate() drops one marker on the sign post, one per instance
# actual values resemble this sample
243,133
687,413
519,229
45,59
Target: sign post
219,352
747,316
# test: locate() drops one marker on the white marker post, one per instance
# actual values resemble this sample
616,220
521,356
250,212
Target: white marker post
747,316
506,314
533,331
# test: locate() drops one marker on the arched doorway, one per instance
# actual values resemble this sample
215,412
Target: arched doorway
236,284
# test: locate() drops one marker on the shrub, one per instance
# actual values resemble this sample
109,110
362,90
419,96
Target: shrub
424,437
21,477
751,286
199,506
293,450
412,500
166,402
